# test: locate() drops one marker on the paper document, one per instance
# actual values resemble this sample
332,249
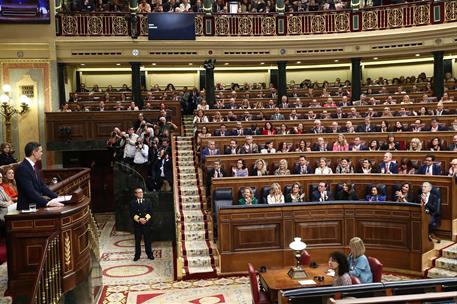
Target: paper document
307,282
63,198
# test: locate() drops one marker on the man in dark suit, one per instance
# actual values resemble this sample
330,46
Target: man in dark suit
366,126
232,148
30,186
210,150
140,213
338,114
435,126
303,166
215,172
222,131
321,194
453,146
387,166
163,171
431,205
429,168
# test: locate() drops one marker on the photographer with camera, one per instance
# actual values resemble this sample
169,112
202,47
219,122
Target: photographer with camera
141,157
116,142
130,146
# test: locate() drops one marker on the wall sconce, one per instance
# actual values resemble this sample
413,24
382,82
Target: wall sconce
8,111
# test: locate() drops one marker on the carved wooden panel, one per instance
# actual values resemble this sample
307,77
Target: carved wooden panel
320,232
386,233
256,236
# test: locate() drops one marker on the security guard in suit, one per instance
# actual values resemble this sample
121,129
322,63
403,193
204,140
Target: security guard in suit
140,213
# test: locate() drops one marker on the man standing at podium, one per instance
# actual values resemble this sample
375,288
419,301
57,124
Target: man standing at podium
30,186
140,212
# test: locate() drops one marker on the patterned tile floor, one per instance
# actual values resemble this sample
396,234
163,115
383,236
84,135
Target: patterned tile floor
151,282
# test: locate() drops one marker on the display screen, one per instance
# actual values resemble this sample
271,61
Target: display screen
24,11
171,26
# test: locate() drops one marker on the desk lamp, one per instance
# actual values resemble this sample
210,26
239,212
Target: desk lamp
297,272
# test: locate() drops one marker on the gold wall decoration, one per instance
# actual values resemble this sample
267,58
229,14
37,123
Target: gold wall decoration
369,20
395,17
245,25
222,25
421,15
198,25
342,22
95,25
143,26
450,11
268,25
67,250
69,25
294,25
318,24
120,26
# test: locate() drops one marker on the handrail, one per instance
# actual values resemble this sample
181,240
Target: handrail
179,256
48,288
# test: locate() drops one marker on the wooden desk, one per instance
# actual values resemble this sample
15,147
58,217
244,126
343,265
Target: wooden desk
275,280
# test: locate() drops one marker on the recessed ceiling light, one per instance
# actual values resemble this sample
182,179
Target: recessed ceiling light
118,64
226,63
336,60
298,62
262,63
375,58
83,64
153,63
190,63
418,55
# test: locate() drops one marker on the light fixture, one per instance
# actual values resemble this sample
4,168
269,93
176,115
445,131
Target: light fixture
336,60
82,64
298,62
375,58
418,55
297,272
153,63
118,64
8,111
226,63
262,63
190,63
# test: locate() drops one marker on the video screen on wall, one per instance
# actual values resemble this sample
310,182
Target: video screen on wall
24,11
171,26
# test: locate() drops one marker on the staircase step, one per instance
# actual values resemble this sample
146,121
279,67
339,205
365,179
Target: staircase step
203,261
450,252
191,206
193,216
446,263
441,273
194,226
195,235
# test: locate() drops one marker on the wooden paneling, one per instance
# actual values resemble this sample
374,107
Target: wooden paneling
388,237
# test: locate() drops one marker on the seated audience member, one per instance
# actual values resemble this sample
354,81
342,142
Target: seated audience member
398,127
339,264
222,131
203,106
440,110
344,167
406,167
430,202
383,127
283,147
318,128
435,144
239,130
404,195
358,262
366,167
388,166
5,201
6,154
216,172
366,126
340,144
334,128
231,117
275,196
435,126
209,150
453,146
321,194
277,115
232,148
415,144
268,149
240,170
203,133
200,117
282,169
429,168
453,169
417,126
391,144
296,194
302,146
132,107
453,125
294,116
357,145
9,184
346,193
299,129
323,167
248,197
260,168
268,129
303,166
321,145
374,145
249,146
374,195
283,130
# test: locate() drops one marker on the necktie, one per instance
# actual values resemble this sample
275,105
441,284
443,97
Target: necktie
387,167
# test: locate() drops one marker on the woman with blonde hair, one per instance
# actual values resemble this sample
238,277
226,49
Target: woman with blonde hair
275,196
358,262
323,168
248,197
415,144
282,169
260,168
341,144
9,184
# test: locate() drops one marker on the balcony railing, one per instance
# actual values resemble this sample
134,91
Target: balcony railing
307,23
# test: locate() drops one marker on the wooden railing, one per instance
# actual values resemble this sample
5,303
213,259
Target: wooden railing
48,288
179,264
258,24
